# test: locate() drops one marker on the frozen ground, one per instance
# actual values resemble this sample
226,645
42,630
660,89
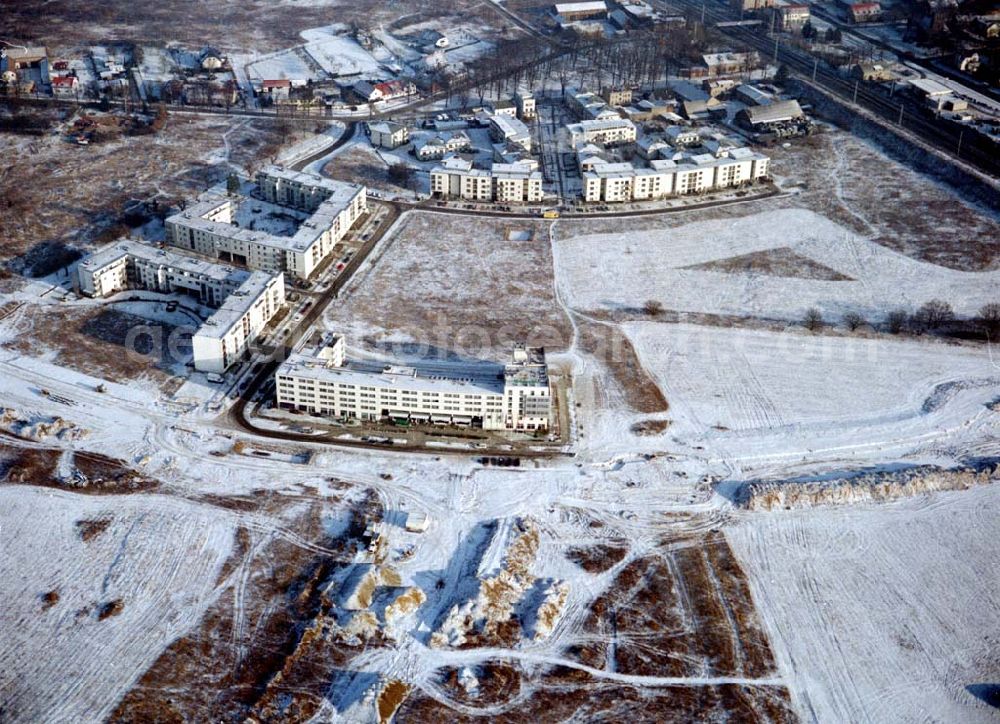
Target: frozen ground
613,271
882,613
158,555
338,54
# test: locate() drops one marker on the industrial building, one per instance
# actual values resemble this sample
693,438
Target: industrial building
208,227
244,301
515,397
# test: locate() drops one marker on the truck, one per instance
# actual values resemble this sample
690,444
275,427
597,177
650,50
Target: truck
550,214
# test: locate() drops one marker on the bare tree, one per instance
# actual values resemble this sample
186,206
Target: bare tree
813,319
989,316
853,320
896,321
653,307
933,315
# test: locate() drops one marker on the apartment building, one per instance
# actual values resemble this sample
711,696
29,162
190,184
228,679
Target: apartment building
621,182
505,182
458,179
208,227
321,382
516,183
610,132
226,336
617,95
589,106
244,301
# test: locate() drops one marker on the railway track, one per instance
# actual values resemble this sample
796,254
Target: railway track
967,147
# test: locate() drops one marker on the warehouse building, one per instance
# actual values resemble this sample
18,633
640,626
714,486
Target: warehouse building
515,397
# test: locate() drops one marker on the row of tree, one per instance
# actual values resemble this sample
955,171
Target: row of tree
931,317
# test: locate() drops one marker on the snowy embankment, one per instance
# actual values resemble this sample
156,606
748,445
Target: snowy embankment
871,487
884,613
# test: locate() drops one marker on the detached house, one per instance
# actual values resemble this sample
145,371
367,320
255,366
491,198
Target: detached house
66,86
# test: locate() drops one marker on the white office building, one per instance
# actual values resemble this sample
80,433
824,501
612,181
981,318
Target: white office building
321,382
208,227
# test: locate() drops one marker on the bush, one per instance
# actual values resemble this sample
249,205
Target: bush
653,308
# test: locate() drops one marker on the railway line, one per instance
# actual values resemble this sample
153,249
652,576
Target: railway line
898,111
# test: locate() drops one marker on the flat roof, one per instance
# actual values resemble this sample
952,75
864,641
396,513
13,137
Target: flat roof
511,127
581,7
236,305
180,262
435,379
305,236
930,87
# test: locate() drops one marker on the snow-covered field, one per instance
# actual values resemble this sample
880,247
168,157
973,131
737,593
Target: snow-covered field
338,54
882,614
611,271
747,380
159,556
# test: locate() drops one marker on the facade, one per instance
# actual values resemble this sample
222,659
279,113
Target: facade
720,64
790,18
617,96
610,132
621,182
244,301
749,6
276,90
526,107
505,182
320,382
504,107
873,72
207,227
504,129
388,134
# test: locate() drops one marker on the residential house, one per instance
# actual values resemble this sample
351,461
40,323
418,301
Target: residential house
388,134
